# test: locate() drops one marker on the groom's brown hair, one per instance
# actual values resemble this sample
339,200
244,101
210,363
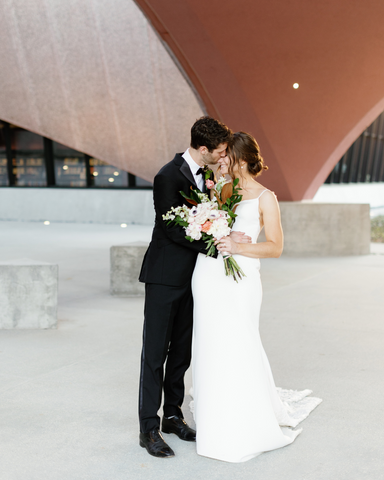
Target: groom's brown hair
209,132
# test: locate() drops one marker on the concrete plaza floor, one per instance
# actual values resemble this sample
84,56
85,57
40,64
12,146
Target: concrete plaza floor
68,397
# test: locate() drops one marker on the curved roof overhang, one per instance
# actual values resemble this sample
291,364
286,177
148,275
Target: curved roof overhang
243,58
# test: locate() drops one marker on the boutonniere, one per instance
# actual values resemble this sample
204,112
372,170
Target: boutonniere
208,176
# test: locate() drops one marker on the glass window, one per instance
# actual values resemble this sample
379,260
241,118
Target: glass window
70,168
32,155
140,182
28,158
3,158
105,175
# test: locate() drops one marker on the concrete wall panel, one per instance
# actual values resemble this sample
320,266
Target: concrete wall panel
78,205
310,229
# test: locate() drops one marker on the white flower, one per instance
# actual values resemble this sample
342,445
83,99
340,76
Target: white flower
193,210
168,216
219,228
221,182
203,197
194,231
202,212
214,214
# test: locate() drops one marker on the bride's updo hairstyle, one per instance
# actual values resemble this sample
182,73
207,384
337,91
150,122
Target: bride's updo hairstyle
244,148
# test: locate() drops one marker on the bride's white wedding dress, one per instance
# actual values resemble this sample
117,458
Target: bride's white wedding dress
238,411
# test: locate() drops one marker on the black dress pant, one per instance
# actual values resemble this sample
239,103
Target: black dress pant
167,336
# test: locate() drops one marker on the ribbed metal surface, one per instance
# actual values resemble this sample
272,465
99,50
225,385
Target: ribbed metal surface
363,162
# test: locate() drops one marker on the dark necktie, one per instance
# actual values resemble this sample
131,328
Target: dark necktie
200,171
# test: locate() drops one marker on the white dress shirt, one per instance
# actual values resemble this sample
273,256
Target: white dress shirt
199,179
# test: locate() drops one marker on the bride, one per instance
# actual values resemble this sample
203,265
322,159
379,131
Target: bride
237,408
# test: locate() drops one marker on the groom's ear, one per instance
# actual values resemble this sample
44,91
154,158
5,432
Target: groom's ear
203,150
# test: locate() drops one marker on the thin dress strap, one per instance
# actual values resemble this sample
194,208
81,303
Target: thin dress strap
266,190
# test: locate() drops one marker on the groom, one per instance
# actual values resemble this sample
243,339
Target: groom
167,271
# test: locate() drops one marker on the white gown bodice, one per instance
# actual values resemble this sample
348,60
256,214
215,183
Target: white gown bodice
248,218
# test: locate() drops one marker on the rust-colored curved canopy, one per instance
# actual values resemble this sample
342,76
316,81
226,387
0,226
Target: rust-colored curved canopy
243,57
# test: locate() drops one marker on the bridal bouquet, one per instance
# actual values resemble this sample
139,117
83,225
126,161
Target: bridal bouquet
210,220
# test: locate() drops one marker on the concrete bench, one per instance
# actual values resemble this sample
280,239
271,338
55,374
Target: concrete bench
310,229
125,264
324,229
28,294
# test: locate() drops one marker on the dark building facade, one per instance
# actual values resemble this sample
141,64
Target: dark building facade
363,162
30,160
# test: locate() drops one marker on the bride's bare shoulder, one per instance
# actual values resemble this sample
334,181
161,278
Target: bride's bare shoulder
267,197
264,191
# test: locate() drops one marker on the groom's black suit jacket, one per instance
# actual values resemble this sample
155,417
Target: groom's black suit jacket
170,258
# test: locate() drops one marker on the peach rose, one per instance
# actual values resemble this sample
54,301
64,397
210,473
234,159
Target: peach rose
209,184
206,226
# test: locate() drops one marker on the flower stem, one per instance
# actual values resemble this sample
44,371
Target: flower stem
232,269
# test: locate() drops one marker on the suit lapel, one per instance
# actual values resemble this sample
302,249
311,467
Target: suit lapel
186,171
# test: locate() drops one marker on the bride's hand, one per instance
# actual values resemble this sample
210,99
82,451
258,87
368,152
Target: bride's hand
226,244
240,237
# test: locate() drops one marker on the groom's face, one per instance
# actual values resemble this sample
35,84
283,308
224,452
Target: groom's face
211,158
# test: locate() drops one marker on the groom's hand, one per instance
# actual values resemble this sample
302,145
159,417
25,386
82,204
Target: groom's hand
240,237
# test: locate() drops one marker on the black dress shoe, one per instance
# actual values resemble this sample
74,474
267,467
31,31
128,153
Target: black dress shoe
154,442
179,427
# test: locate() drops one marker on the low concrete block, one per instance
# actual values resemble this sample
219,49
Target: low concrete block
310,229
28,294
325,229
126,263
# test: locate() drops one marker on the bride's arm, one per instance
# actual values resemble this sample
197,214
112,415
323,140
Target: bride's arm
273,246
